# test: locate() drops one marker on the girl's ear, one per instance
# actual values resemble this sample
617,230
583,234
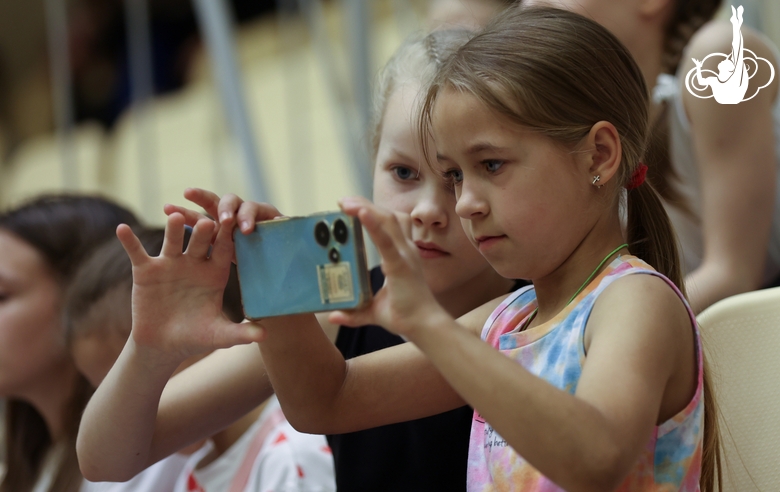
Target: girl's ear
604,152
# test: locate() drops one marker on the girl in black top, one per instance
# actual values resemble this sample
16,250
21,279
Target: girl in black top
430,453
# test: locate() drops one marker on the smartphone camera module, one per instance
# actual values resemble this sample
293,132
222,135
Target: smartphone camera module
340,231
334,255
322,234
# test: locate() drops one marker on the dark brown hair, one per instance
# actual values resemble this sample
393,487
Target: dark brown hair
557,73
63,229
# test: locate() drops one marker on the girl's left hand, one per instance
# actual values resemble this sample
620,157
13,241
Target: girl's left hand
405,303
228,208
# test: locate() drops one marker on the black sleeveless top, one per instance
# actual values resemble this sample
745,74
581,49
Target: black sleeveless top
428,454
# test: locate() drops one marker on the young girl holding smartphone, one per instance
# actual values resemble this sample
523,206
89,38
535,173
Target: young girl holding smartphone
122,435
592,379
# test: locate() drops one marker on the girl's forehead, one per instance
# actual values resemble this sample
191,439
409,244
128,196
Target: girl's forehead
465,115
19,256
402,104
454,107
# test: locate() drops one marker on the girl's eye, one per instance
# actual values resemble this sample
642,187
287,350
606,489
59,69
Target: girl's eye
492,165
452,177
404,173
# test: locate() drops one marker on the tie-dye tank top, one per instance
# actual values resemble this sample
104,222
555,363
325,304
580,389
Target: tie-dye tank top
555,352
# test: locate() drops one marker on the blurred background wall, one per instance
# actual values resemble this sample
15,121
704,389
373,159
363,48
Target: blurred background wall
298,85
304,66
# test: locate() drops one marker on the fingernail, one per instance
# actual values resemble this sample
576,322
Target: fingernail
255,329
245,226
225,216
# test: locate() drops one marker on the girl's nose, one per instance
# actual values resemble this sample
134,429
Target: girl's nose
431,210
470,204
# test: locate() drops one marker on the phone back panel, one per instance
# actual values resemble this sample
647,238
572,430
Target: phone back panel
283,269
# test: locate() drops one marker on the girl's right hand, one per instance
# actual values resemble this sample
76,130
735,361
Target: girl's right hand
177,297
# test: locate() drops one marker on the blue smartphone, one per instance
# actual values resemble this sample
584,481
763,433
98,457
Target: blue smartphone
306,264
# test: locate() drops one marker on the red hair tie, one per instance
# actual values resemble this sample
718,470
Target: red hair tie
638,177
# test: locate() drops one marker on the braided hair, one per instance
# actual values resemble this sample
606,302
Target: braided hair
415,62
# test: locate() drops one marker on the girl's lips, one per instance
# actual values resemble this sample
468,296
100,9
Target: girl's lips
486,242
430,250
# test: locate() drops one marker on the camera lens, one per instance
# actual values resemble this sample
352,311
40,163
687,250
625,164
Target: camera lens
334,255
322,234
340,231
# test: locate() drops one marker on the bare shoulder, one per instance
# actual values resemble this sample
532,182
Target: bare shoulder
639,326
475,320
645,302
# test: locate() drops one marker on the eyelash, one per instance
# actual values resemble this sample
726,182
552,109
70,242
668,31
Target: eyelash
451,179
412,173
488,162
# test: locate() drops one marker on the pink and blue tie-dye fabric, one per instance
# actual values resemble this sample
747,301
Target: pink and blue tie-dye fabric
555,352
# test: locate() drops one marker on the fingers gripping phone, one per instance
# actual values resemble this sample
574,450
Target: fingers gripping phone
302,265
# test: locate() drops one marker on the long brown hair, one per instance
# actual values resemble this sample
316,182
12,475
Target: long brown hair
557,73
63,229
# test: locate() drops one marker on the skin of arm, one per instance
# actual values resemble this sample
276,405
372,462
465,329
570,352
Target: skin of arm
211,395
321,393
632,378
737,162
195,404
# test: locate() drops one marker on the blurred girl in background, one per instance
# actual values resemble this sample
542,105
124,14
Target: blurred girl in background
42,243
